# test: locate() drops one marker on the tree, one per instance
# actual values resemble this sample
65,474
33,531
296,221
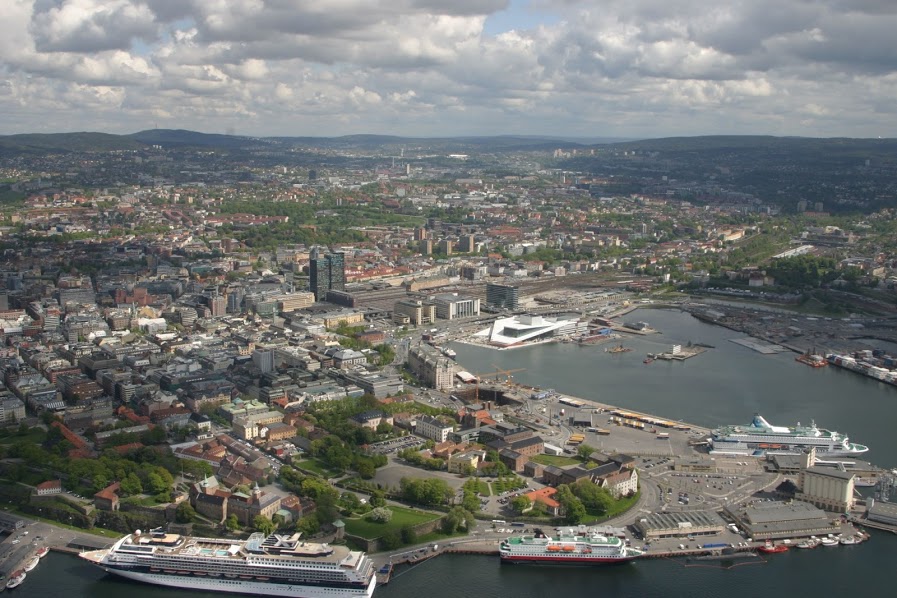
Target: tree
470,501
574,510
521,504
155,483
349,501
264,525
390,540
409,536
231,523
377,499
309,525
584,451
457,518
365,468
185,513
595,499
380,515
428,492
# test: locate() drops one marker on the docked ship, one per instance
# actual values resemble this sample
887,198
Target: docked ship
15,579
770,548
762,438
567,548
31,564
276,565
42,552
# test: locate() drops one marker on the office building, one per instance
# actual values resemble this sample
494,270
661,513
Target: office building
502,296
326,273
431,367
450,306
418,312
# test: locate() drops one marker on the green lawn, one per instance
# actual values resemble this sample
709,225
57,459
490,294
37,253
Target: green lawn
617,508
315,466
94,531
33,436
401,516
556,460
483,488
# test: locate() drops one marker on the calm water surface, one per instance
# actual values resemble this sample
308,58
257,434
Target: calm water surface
727,384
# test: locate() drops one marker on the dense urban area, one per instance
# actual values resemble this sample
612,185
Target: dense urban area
223,335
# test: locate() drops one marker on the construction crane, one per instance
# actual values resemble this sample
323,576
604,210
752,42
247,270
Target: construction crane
500,372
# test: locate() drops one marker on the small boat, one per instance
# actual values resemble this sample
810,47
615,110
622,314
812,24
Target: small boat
808,544
15,579
31,564
829,542
42,552
849,540
618,349
770,548
648,360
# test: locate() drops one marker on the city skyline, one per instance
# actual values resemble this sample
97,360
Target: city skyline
420,68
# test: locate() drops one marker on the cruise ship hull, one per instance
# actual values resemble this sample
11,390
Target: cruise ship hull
564,560
242,586
760,438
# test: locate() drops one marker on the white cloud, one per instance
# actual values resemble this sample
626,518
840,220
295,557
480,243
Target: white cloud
623,67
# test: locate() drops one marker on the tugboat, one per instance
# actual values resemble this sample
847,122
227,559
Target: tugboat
770,548
812,359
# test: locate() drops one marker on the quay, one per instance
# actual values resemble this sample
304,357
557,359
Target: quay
681,355
759,346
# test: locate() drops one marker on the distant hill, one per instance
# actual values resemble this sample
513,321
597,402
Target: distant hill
184,138
712,143
497,142
180,138
66,142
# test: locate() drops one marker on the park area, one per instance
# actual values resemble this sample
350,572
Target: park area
401,517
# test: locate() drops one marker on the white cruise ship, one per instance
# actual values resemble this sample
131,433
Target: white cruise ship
277,565
761,438
569,547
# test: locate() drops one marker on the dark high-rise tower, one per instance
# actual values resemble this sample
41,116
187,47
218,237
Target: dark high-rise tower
326,273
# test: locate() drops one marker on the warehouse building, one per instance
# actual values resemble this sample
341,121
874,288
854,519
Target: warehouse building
773,520
680,525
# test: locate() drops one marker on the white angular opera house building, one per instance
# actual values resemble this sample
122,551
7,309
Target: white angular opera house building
529,329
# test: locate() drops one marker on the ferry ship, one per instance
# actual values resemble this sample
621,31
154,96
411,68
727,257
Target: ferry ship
761,438
276,565
567,548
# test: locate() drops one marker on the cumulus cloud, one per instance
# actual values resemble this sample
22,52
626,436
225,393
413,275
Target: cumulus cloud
624,67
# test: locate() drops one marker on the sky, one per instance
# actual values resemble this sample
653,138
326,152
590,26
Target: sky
596,68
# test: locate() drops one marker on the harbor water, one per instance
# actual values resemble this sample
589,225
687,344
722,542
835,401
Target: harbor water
726,384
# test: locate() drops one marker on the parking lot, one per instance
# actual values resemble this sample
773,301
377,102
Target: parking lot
396,444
